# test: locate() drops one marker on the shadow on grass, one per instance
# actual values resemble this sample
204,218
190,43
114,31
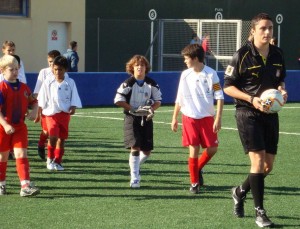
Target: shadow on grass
134,195
292,219
283,191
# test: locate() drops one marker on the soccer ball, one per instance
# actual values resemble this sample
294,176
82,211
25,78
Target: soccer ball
272,100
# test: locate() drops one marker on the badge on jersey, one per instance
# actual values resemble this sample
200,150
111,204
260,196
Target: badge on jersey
278,73
216,87
26,94
229,70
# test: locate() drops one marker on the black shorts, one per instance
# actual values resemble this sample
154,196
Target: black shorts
257,130
136,135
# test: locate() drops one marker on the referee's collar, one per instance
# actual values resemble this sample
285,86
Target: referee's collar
254,51
252,48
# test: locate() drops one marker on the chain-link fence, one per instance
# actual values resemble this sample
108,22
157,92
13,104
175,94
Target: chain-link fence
114,42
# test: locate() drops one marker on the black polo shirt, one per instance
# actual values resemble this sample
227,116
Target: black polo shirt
250,74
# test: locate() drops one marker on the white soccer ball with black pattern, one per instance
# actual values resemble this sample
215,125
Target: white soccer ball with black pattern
272,100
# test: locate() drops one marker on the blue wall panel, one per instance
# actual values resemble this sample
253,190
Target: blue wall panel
99,88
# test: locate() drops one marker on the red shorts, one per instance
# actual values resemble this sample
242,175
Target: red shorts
43,122
58,125
16,140
197,132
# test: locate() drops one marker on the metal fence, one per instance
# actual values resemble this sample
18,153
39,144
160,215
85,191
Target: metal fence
115,41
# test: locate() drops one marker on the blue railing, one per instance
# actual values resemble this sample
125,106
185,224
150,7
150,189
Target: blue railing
99,88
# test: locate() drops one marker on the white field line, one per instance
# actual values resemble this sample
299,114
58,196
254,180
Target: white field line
165,123
159,111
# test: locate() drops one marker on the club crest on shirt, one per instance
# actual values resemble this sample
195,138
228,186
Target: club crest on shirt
278,73
229,70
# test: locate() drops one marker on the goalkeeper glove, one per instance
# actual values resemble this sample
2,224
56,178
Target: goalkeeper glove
151,114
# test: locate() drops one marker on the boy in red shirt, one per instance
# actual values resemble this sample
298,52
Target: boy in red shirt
14,100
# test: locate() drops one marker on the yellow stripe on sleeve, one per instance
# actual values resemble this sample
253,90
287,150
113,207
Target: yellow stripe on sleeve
216,87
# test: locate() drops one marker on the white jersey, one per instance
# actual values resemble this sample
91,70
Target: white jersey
55,97
45,73
21,74
135,95
197,91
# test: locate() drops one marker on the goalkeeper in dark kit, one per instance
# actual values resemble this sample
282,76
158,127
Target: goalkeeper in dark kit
140,96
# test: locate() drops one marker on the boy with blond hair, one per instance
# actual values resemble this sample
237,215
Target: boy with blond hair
15,97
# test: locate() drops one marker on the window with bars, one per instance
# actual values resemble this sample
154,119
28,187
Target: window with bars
14,8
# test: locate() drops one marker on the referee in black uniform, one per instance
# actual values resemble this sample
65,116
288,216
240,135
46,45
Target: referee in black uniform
256,67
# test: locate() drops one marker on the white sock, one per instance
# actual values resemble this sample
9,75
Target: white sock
134,164
3,183
25,182
143,157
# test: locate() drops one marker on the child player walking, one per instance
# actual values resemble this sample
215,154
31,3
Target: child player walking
58,100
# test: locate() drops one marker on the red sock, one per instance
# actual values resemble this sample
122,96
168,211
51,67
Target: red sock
51,152
193,169
43,139
203,160
3,167
58,155
22,165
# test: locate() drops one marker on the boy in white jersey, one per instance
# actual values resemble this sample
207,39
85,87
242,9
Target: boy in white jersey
9,48
44,74
198,87
58,99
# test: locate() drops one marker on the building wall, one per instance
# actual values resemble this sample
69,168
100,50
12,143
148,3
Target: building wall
124,38
30,34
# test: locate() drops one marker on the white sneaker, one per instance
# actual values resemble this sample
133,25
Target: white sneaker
58,167
30,190
135,184
2,190
49,164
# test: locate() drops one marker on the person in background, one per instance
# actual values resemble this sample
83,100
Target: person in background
72,57
9,48
15,97
199,86
254,68
206,47
274,41
195,39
